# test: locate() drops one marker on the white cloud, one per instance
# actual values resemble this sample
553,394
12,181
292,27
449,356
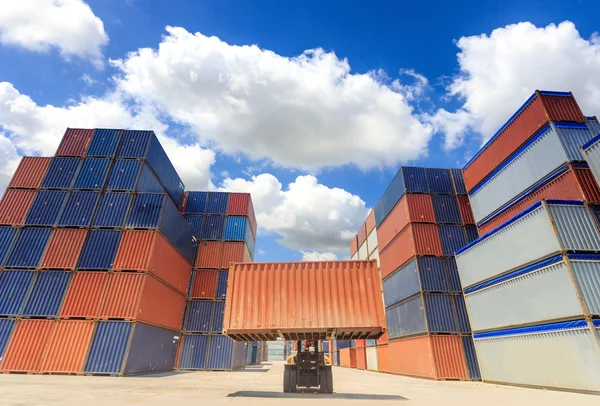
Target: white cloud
9,159
318,256
39,25
307,215
37,130
307,112
261,252
498,72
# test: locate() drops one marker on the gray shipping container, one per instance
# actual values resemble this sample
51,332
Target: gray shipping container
591,153
541,231
550,148
546,291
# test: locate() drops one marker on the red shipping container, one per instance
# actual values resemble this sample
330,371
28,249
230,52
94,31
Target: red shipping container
415,239
67,347
383,358
434,357
361,358
537,112
64,248
240,204
209,255
361,343
411,208
85,295
142,297
354,246
149,251
75,142
30,172
573,184
27,345
362,235
465,209
14,206
204,285
234,252
370,222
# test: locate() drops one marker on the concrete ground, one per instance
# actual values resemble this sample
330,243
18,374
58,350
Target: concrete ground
262,385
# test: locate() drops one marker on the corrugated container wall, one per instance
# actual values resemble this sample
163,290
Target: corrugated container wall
46,208
6,329
133,175
64,248
7,237
14,287
47,294
75,142
28,248
152,349
78,209
30,173
108,348
112,210
99,250
27,345
104,143
85,294
67,347
14,206
93,174
61,173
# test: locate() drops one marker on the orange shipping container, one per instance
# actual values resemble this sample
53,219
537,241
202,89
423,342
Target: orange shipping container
142,297
370,222
353,363
68,346
434,357
210,254
204,285
354,246
14,206
361,358
27,345
30,172
383,339
410,209
304,299
64,248
149,251
85,294
415,239
75,142
345,357
362,234
234,252
383,358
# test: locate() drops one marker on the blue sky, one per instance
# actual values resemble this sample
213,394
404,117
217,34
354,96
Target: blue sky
389,88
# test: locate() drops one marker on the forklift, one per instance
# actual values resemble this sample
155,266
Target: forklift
308,368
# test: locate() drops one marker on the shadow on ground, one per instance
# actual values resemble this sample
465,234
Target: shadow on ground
312,395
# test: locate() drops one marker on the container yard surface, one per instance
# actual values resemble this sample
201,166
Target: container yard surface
261,385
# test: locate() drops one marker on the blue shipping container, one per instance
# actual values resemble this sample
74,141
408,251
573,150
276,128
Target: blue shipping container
446,209
216,203
406,318
144,144
92,174
236,228
48,293
198,316
415,179
213,228
440,181
196,203
472,233
99,250
221,353
461,314
133,175
79,209
108,348
341,344
195,222
218,311
28,248
222,284
453,276
61,173
402,283
7,238
6,329
104,143
14,289
194,348
371,343
440,314
458,181
471,357
152,349
46,208
112,210
453,238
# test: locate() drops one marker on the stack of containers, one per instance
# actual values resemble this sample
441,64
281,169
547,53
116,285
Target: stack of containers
95,258
532,280
421,220
225,226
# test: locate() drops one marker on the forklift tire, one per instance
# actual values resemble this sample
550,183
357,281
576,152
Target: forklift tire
329,381
286,380
323,380
293,387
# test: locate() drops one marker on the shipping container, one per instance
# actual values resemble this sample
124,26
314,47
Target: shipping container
75,142
195,203
348,357
552,147
354,306
46,208
28,248
141,297
216,322
14,290
434,357
362,236
354,247
112,210
439,181
569,182
222,284
471,358
371,355
157,212
213,228
152,349
93,173
67,347
370,221
79,209
85,295
541,108
453,238
234,252
61,173
559,355
543,230
104,143
236,228
26,346
195,221
565,288
383,358
410,209
6,329
414,239
240,204
144,144
7,238
194,348
204,284
361,358
446,209
394,192
336,358
64,248
99,250
133,175
363,251
372,242
30,172
458,182
14,206
466,214
47,294
216,203
198,317
210,254
108,348
224,354
149,251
